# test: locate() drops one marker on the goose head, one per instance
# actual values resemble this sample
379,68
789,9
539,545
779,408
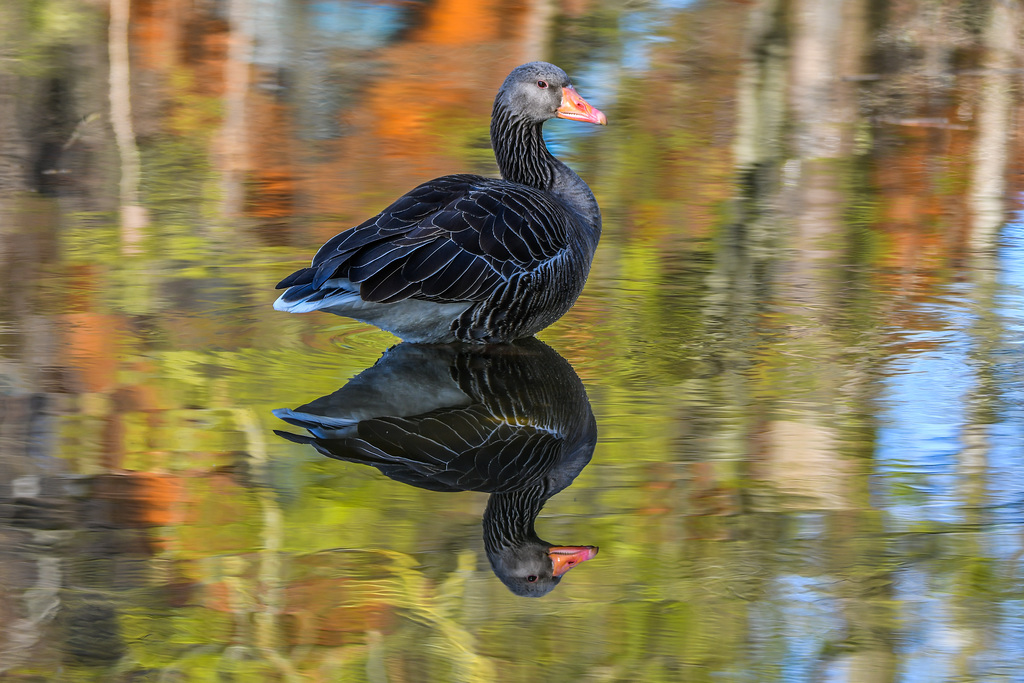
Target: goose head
535,568
539,91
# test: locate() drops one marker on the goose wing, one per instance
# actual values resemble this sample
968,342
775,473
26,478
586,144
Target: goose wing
455,238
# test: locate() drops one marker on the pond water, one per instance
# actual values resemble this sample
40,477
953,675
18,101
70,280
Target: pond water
788,407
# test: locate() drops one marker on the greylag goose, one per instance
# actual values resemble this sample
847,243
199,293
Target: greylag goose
513,421
465,257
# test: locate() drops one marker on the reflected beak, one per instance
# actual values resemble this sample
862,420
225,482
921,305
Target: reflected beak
575,108
565,557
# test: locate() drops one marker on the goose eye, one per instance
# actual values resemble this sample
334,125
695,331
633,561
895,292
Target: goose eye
531,578
541,84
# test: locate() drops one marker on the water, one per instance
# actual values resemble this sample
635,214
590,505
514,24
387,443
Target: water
801,343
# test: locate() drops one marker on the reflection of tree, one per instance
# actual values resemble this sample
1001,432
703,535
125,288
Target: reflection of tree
779,260
234,136
14,145
994,122
989,211
782,264
133,213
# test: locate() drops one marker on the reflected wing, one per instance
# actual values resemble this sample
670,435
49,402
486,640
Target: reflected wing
455,238
461,449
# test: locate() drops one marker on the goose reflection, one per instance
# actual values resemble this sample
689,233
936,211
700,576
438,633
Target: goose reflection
511,420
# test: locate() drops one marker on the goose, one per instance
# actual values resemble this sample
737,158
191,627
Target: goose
510,420
468,258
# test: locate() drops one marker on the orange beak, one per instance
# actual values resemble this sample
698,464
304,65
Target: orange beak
575,108
565,557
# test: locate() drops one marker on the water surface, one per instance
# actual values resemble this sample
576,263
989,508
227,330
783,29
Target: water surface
801,341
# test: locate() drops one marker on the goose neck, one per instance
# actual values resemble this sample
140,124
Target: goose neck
520,151
523,158
509,518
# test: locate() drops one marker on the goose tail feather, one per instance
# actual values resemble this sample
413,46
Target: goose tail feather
304,298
